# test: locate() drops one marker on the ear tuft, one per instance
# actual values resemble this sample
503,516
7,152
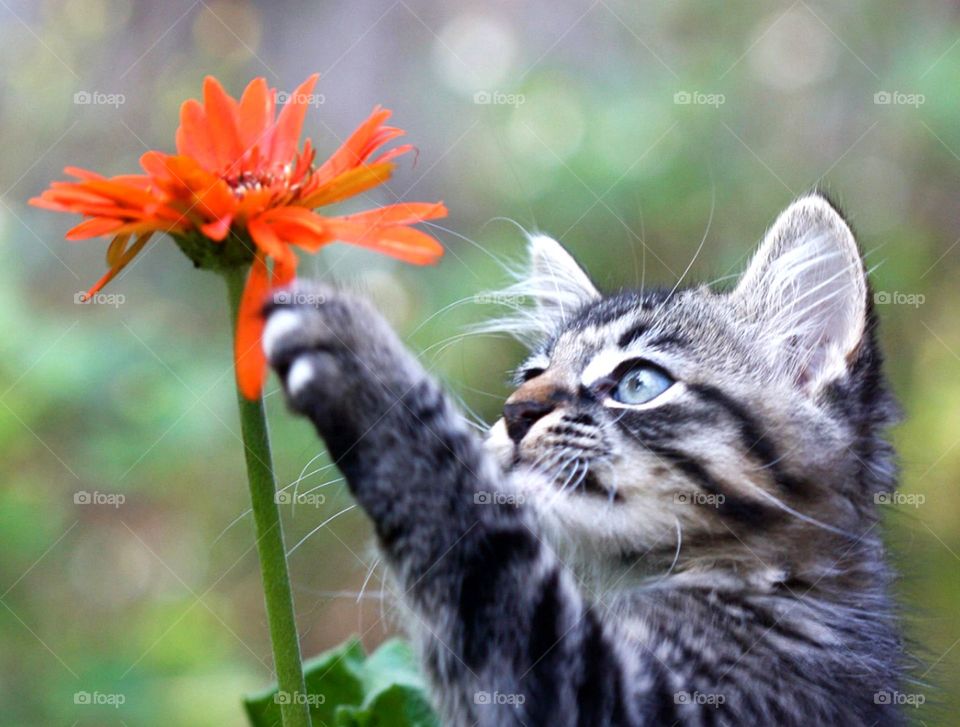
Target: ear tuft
556,281
555,285
806,291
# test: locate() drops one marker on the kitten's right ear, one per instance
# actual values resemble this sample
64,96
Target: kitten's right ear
547,292
555,281
806,291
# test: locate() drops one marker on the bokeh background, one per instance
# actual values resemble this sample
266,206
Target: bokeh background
630,130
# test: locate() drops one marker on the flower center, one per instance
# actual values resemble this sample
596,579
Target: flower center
245,182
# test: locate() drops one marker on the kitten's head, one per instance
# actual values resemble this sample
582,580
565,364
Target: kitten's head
747,422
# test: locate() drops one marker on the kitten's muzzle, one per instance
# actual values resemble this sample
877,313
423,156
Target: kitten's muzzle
522,415
530,403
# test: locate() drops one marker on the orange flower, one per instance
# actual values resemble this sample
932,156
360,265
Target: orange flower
238,190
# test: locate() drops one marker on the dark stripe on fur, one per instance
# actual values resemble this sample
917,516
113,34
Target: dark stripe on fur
753,513
752,434
491,559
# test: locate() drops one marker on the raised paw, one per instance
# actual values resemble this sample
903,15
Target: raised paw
338,359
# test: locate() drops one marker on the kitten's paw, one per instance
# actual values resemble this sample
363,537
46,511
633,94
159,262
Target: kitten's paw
332,351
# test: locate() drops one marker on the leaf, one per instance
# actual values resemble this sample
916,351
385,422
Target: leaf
346,688
395,706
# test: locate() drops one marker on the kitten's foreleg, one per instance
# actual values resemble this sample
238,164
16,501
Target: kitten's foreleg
509,638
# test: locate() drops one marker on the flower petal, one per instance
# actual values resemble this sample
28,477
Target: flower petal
218,229
366,139
402,213
120,263
286,135
222,123
299,226
256,115
249,359
94,228
405,243
193,135
348,184
269,243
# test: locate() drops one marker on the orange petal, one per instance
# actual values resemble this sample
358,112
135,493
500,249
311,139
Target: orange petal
218,229
81,173
299,226
283,273
351,152
94,228
222,122
116,249
256,115
193,134
286,135
267,241
250,361
201,193
403,213
394,153
405,243
121,263
348,184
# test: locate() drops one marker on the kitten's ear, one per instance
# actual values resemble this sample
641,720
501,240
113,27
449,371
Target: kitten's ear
806,289
555,281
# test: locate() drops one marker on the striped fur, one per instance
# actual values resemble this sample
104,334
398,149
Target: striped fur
711,556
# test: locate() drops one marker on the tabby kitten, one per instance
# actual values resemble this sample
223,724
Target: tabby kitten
673,522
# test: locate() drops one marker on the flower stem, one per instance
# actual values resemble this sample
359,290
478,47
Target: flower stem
270,545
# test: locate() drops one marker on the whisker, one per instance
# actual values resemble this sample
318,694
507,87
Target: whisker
366,580
319,527
239,517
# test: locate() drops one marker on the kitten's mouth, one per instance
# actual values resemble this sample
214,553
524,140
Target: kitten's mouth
580,482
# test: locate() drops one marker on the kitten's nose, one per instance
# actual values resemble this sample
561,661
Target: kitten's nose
532,401
519,416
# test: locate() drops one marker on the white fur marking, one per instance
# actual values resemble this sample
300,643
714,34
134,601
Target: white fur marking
301,373
602,364
279,325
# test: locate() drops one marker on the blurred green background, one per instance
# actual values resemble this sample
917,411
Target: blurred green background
629,130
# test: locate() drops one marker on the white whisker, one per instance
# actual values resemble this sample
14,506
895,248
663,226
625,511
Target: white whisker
318,528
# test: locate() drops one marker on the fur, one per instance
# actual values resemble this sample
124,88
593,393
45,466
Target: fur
710,556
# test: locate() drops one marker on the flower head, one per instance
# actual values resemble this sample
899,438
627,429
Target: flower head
240,190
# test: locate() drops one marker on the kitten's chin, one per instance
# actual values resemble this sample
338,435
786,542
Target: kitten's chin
499,445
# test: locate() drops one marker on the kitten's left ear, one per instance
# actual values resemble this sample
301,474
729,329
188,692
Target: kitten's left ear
806,289
556,281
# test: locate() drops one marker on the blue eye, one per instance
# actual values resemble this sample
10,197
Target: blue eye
641,384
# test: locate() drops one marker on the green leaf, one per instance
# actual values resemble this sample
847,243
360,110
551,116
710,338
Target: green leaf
345,688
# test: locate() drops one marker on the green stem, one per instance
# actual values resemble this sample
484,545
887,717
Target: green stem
270,546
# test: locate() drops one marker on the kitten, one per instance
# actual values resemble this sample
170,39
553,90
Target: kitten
674,520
